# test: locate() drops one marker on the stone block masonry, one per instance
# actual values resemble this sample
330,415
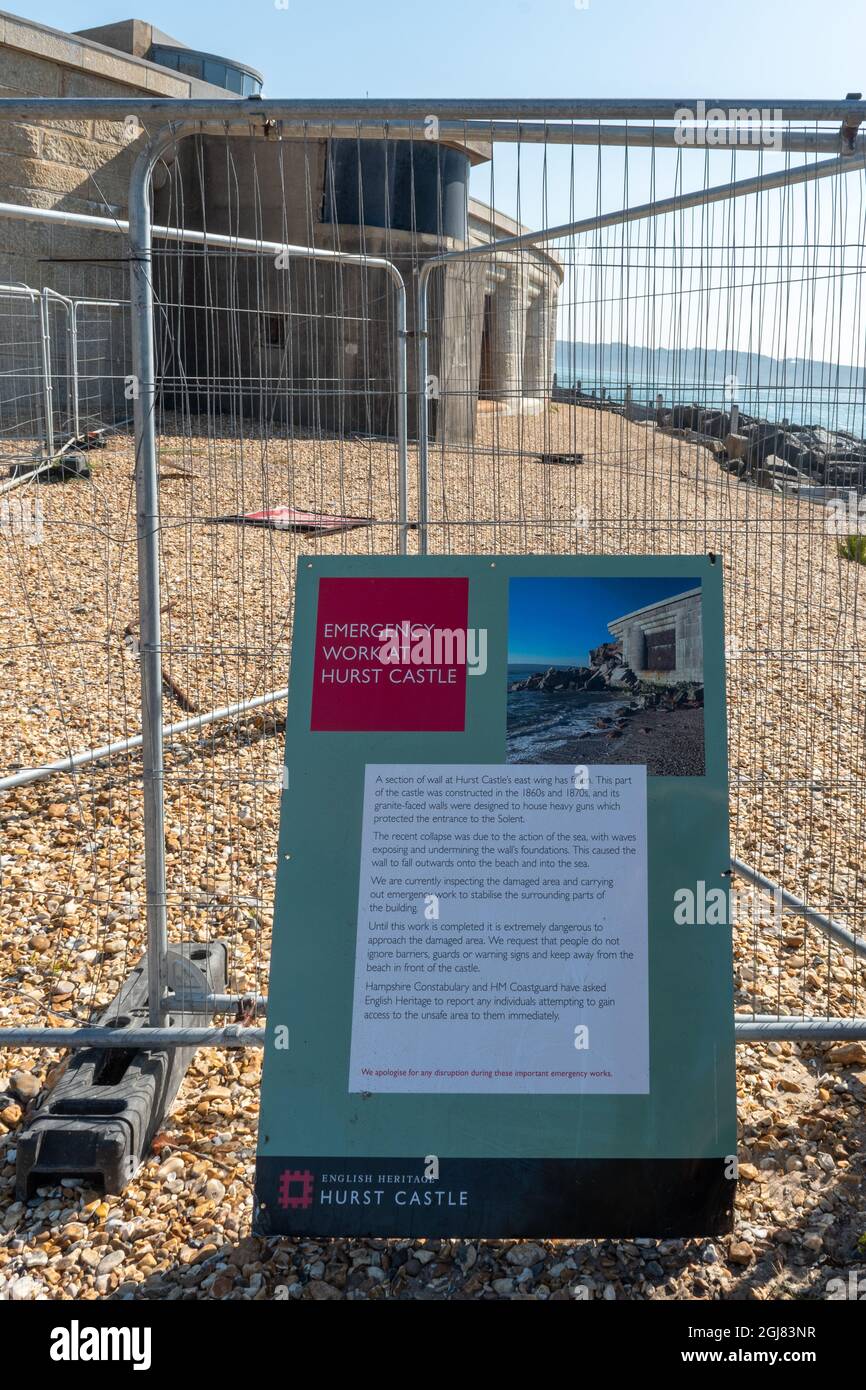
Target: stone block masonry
76,165
80,166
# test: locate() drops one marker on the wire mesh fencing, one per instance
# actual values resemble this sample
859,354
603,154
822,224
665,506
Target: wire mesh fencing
64,303
25,404
68,870
103,356
487,342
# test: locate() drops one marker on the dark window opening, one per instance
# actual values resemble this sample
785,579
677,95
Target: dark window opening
275,330
407,185
661,650
486,377
207,67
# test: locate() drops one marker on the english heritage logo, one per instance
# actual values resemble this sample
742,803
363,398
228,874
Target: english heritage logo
299,1189
296,1189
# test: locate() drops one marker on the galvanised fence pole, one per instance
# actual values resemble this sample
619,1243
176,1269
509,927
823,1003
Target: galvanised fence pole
147,532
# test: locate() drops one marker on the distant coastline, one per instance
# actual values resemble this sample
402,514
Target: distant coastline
803,391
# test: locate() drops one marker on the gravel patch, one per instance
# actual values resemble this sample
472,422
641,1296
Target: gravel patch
669,742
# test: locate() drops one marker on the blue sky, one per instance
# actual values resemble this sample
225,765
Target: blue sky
555,622
502,48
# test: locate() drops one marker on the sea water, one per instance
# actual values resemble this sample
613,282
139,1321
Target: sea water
541,723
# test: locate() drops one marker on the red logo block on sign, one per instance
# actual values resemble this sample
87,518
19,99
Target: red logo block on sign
354,690
295,1189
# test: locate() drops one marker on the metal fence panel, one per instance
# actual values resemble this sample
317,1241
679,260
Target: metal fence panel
681,374
24,399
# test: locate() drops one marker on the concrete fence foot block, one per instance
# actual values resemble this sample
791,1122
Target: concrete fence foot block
99,1119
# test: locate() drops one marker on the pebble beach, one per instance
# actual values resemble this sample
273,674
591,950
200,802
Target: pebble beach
670,743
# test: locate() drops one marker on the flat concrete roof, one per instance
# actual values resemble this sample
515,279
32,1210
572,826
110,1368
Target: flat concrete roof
503,226
76,51
650,607
135,37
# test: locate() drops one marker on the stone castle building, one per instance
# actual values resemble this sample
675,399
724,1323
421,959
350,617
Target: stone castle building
301,343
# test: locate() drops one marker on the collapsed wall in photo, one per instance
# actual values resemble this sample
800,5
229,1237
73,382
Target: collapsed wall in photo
607,671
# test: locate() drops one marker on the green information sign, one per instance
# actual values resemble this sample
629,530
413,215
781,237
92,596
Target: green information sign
501,985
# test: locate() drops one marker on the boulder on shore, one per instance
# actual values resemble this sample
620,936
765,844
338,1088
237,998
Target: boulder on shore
607,672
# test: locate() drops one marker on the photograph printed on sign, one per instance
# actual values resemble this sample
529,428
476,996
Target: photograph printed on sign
607,671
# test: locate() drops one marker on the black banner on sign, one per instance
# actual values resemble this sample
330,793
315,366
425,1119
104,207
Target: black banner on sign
481,1197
